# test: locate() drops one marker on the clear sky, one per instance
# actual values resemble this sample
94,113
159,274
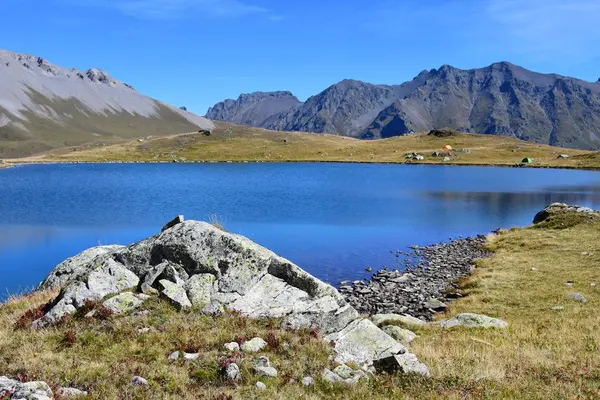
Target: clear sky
198,52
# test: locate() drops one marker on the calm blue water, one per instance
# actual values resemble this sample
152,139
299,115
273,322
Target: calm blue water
333,220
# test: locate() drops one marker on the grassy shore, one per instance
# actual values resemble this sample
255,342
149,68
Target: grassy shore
230,142
544,354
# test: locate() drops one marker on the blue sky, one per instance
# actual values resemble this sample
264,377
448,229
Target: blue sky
198,52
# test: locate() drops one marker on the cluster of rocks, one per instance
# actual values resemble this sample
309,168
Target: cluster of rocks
196,265
427,281
11,389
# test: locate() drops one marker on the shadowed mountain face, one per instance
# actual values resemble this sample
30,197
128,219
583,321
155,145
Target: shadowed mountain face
253,109
501,99
43,106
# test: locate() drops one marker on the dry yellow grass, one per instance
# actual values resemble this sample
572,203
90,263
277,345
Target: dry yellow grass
240,143
544,354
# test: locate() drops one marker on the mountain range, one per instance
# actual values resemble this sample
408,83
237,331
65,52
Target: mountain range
502,99
44,106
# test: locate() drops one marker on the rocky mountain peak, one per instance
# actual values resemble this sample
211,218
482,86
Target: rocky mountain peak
97,75
502,98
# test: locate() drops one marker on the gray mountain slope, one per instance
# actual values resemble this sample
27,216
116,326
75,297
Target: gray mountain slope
43,106
502,99
254,108
347,108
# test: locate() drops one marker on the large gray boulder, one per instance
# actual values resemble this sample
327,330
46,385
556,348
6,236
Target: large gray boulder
75,267
197,266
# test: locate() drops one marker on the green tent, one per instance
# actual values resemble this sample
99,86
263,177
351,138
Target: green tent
527,160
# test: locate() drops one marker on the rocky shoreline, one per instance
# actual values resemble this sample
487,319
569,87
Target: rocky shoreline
420,289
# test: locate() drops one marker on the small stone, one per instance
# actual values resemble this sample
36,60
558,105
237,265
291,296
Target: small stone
232,372
233,346
557,308
191,356
253,346
344,371
471,320
308,381
269,372
577,297
176,221
261,386
70,392
174,356
534,269
143,330
435,304
593,284
569,283
139,381
262,362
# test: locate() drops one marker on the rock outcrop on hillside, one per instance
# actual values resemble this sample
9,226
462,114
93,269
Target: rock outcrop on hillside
197,266
254,108
44,106
501,99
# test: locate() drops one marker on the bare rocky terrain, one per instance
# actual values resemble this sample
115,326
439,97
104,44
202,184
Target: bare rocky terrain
44,106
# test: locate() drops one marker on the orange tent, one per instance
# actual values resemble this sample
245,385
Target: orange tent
447,147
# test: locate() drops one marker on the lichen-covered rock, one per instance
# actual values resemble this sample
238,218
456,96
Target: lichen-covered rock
15,390
64,392
381,319
362,342
470,320
184,254
343,374
404,362
253,346
109,277
175,293
233,346
403,336
195,264
123,303
200,288
75,267
232,372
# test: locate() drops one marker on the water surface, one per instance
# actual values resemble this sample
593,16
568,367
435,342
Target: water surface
333,220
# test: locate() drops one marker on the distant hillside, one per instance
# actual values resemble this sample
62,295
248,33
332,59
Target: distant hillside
502,99
253,109
43,106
